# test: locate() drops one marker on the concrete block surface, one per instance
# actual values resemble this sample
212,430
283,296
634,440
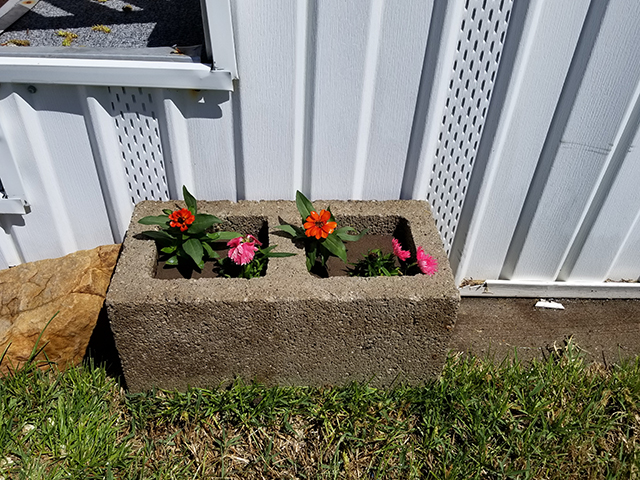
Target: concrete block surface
287,327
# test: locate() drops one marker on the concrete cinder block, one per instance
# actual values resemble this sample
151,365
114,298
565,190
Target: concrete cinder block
288,327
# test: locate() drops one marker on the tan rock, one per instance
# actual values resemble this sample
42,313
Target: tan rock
73,286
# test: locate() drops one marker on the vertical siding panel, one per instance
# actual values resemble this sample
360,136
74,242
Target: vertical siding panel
602,254
479,46
68,167
610,213
174,131
367,102
109,163
37,233
11,186
418,187
602,100
626,265
402,42
9,254
198,142
47,136
549,39
266,51
341,42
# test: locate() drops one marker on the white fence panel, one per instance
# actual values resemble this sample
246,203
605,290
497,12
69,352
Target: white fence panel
339,57
269,102
549,39
517,120
603,96
46,134
200,143
555,200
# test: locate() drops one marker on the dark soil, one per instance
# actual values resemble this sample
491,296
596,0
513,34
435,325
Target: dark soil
355,252
168,272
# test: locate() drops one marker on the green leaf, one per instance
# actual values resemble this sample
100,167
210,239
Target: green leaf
155,220
290,229
346,237
169,249
202,222
311,255
159,236
279,254
193,248
167,211
172,260
209,251
305,207
335,246
189,200
228,235
268,253
265,251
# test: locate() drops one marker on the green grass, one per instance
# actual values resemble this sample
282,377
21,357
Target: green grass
559,418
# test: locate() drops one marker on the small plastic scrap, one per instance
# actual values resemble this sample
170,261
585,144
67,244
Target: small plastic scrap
547,304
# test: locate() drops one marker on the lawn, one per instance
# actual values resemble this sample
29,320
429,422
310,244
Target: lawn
558,418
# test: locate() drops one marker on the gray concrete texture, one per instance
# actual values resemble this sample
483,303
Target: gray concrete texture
288,327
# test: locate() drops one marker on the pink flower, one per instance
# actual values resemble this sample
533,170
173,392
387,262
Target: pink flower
427,264
398,252
242,250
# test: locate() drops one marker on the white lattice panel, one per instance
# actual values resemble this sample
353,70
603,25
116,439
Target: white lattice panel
139,140
483,29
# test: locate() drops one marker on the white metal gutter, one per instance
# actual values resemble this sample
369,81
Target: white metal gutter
111,72
530,289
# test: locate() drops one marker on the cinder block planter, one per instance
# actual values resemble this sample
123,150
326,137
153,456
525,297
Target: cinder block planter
288,327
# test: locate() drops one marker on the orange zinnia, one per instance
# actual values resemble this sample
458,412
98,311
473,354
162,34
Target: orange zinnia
318,225
181,219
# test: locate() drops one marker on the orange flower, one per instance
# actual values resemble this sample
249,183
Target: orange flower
319,226
181,219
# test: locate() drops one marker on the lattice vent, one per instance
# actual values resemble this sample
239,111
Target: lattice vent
480,41
140,146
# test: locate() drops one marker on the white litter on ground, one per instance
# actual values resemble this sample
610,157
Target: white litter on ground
547,304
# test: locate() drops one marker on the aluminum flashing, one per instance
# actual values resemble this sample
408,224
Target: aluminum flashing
218,35
507,288
13,206
123,73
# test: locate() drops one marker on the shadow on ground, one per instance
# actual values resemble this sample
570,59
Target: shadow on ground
102,349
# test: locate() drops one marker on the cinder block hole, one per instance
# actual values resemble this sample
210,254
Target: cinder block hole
380,233
244,225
